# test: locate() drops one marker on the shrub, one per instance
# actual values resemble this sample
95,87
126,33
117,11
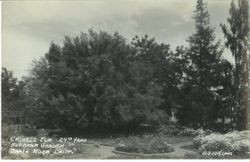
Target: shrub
191,132
168,129
182,131
237,143
147,144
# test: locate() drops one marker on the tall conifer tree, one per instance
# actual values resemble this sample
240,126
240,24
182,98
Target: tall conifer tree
202,76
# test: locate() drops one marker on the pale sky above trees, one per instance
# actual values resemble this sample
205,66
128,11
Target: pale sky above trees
30,25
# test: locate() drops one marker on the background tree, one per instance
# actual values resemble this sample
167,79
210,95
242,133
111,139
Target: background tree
9,85
11,93
167,69
236,40
201,88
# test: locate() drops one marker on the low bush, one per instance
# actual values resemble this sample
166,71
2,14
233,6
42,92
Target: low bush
147,144
191,132
169,130
237,143
182,131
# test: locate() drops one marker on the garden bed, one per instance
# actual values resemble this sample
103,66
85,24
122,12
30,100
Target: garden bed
146,144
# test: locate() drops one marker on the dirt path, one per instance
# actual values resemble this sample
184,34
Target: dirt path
182,152
103,152
98,151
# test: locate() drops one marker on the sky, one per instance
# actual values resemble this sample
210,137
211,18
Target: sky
29,26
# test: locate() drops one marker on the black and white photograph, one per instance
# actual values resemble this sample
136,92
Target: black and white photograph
125,79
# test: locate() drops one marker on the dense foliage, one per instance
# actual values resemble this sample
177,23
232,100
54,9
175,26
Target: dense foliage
94,80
